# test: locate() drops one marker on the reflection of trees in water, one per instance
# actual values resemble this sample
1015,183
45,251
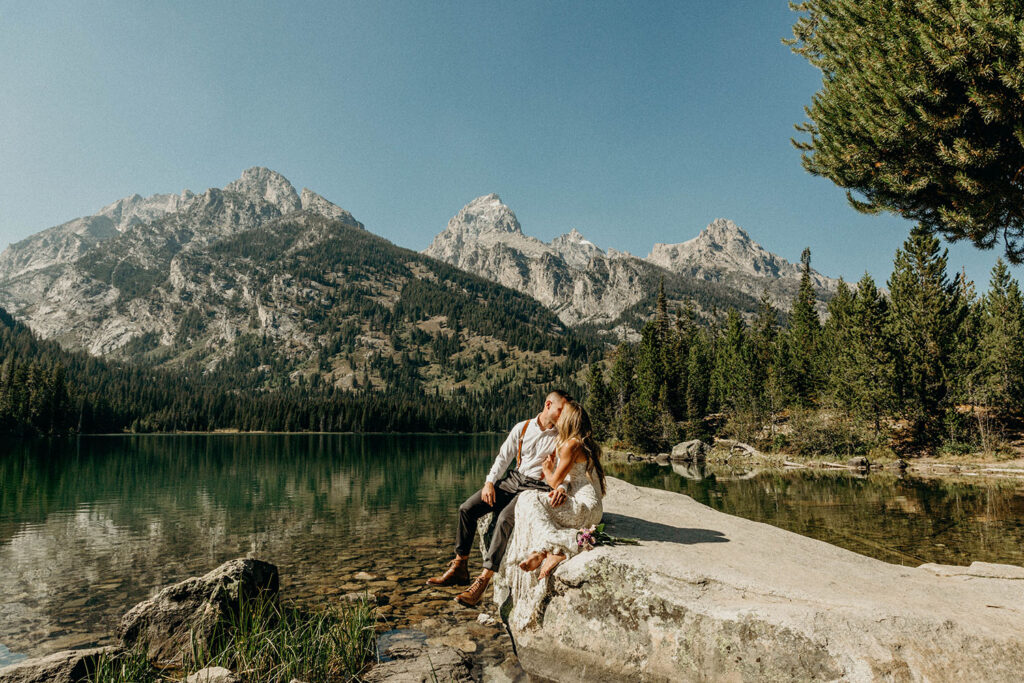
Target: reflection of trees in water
903,520
105,521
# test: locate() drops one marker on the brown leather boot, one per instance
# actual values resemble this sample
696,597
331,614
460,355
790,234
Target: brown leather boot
472,595
457,574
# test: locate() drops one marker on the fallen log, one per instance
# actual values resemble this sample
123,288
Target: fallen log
734,445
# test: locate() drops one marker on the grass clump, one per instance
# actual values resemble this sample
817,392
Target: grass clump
268,641
124,667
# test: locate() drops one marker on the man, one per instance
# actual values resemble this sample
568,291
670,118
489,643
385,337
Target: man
529,444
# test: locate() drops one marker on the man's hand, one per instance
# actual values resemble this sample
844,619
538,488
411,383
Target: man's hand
487,494
557,497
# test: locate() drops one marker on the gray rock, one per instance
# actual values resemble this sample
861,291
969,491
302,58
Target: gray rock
165,624
859,462
421,664
708,596
693,450
662,458
68,666
214,674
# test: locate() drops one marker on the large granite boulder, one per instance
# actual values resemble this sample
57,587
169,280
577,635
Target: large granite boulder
190,611
67,666
694,450
708,596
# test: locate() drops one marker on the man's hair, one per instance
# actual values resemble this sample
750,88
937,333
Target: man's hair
559,393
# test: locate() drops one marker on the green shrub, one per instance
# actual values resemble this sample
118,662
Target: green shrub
830,433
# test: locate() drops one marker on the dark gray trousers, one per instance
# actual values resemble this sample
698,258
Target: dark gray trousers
505,493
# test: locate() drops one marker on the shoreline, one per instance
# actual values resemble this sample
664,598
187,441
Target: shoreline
718,457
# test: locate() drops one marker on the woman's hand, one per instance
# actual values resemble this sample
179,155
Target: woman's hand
556,466
548,466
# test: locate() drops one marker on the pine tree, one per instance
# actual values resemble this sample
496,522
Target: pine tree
765,333
868,364
965,384
920,111
622,388
675,363
732,380
836,345
764,341
804,338
923,321
698,376
643,412
780,387
599,402
1002,342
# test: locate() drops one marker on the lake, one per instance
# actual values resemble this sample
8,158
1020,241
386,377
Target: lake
90,526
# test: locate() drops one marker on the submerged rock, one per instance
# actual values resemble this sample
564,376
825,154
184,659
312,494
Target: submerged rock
708,596
190,611
68,666
411,663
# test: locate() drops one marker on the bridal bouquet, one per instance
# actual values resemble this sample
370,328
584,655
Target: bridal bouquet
588,537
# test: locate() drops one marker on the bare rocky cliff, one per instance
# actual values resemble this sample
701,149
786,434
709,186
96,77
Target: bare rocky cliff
66,242
146,261
584,284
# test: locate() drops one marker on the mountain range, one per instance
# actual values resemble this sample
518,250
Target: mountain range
586,285
278,286
214,277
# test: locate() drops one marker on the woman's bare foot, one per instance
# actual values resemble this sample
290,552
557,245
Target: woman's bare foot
550,562
533,561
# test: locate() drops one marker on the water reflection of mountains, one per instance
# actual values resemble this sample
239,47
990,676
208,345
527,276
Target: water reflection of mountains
92,525
314,473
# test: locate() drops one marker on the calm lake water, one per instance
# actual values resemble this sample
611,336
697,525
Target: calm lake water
89,527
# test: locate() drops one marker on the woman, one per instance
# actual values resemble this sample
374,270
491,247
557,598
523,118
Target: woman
551,531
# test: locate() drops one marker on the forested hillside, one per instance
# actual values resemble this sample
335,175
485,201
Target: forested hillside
47,390
930,365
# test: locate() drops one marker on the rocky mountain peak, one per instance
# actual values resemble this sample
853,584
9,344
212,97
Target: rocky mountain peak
262,183
311,201
576,249
723,231
485,214
722,245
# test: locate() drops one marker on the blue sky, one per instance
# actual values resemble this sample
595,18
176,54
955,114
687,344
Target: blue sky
632,122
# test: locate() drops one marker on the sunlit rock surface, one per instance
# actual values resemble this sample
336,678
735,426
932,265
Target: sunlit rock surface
708,596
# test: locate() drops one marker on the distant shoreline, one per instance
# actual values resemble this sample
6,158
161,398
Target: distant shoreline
967,467
237,432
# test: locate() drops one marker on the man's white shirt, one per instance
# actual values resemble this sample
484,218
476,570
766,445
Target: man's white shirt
537,445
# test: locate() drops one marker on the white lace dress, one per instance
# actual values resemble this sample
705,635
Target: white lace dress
553,529
540,527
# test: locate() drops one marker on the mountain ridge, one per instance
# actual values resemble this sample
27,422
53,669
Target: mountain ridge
587,285
256,275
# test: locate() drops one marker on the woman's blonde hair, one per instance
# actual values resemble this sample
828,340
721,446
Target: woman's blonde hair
574,423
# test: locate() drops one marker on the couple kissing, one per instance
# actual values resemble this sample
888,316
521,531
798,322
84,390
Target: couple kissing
557,484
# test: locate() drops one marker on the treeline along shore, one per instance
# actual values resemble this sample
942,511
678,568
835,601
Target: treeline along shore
47,390
927,366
